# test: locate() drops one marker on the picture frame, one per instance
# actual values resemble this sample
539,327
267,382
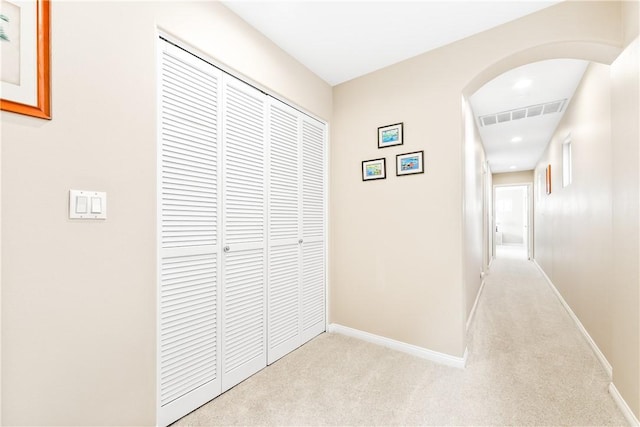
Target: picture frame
374,169
390,135
410,163
25,76
548,179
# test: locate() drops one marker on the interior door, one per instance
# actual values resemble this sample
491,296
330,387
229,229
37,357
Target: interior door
189,259
313,229
244,232
284,230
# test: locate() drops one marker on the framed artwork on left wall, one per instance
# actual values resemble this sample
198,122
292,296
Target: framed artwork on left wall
390,135
410,163
374,169
25,68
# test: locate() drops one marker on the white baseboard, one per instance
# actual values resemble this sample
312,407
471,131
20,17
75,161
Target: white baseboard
434,356
603,360
628,413
472,314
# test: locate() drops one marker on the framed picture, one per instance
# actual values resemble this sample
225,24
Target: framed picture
374,169
390,135
25,73
548,179
410,163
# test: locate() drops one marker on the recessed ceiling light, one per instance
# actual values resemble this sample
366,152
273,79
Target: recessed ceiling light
516,139
521,84
512,167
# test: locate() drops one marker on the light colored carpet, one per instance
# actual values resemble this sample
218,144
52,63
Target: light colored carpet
527,365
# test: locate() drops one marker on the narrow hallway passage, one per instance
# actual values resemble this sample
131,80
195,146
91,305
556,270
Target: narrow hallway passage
528,365
542,370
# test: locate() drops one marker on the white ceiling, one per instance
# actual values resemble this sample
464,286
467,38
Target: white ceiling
342,40
550,80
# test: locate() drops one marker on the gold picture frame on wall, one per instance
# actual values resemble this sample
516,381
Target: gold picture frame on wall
25,76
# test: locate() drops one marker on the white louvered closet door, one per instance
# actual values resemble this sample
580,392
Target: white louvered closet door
283,331
313,229
189,259
244,223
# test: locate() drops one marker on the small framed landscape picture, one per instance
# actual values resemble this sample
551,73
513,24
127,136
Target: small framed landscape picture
410,163
390,135
374,169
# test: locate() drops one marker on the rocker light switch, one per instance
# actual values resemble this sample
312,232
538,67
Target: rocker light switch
81,204
96,205
87,204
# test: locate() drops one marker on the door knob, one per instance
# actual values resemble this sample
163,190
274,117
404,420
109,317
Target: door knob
226,249
300,241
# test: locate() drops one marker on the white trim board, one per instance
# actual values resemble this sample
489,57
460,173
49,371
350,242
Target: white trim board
603,360
472,314
414,350
622,405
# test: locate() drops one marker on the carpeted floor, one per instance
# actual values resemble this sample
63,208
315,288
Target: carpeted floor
527,365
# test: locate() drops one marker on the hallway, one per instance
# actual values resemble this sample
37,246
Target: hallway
528,365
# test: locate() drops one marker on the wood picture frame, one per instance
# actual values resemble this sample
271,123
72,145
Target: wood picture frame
374,169
390,135
410,163
26,69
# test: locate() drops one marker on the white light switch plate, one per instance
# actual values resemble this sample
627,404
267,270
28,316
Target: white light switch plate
91,205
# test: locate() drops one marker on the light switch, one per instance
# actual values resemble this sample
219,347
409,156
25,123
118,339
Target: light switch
81,204
96,205
87,204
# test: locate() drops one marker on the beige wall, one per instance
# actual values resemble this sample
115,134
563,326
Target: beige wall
508,178
625,280
630,20
573,224
397,261
474,215
587,233
79,297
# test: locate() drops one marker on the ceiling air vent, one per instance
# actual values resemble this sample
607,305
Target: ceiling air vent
524,112
488,120
534,111
518,114
552,107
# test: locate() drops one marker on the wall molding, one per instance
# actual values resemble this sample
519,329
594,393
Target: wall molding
424,353
622,405
603,360
472,314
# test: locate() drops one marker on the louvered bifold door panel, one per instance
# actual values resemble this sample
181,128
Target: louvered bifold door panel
244,223
283,330
313,228
188,345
